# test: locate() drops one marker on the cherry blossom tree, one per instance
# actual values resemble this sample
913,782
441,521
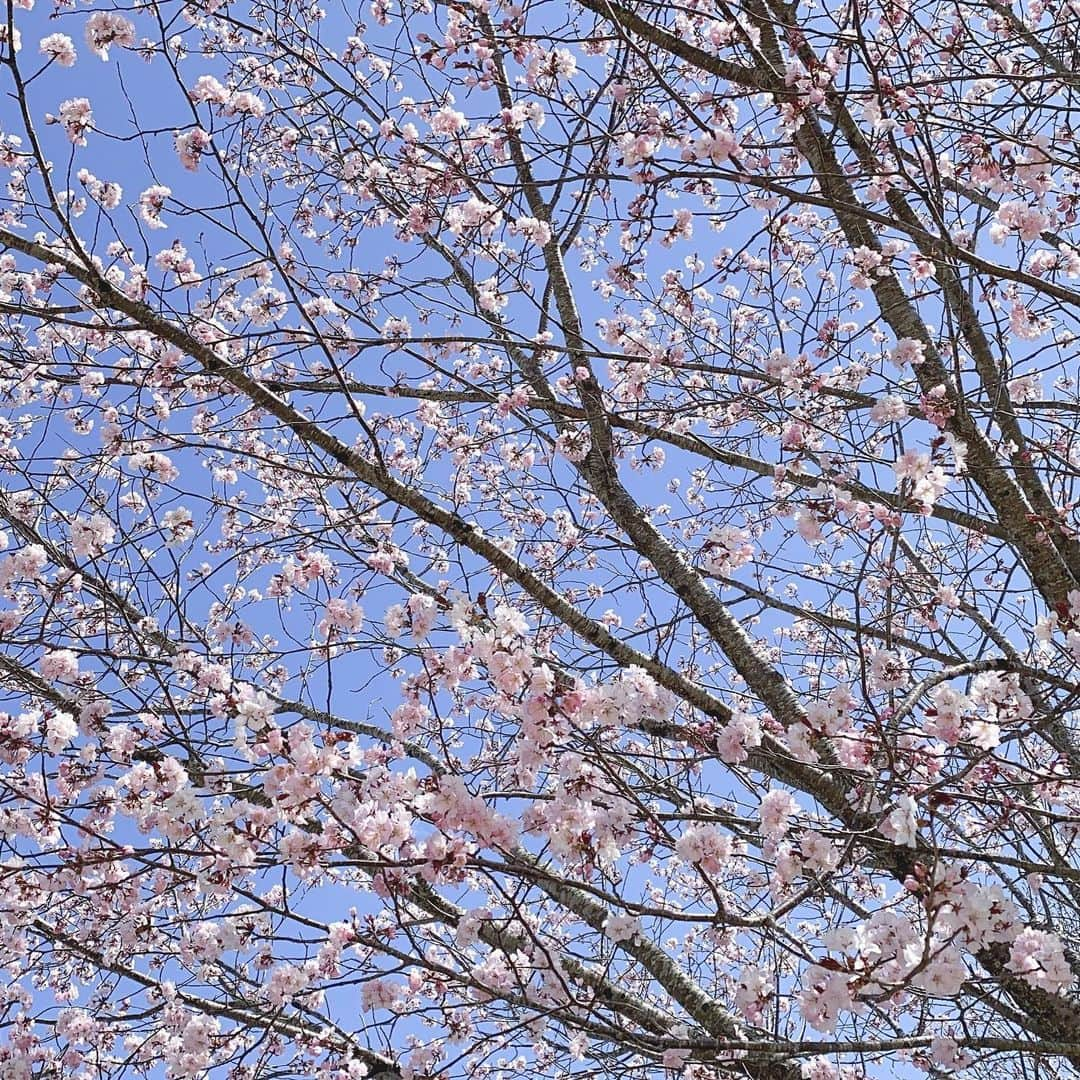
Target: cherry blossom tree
539,539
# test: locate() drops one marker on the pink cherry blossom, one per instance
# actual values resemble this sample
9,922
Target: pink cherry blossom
58,47
622,928
151,203
107,28
775,813
1040,958
190,146
908,351
59,665
76,117
706,846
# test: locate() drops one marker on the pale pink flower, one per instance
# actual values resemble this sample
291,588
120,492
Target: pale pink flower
244,103
60,730
945,719
396,328
423,612
76,1026
448,121
888,670
825,996
737,738
622,928
395,619
76,117
190,146
717,146
808,526
178,524
92,535
533,229
341,615
59,665
207,88
1040,958
775,812
818,1068
151,203
106,193
158,465
59,48
908,351
752,994
818,852
1028,222
380,994
901,826
888,410
706,846
945,1051
474,214
107,28
727,549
